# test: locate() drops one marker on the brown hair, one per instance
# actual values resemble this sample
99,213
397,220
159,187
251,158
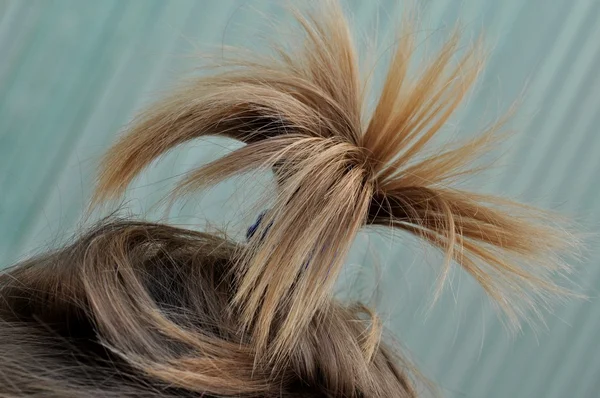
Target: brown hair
138,309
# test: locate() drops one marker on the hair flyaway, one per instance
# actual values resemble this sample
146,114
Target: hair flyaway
136,309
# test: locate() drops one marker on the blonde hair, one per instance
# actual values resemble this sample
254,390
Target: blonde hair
167,311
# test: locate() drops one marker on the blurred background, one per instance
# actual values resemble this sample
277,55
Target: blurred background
74,72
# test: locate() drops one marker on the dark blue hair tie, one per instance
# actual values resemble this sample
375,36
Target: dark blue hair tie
252,229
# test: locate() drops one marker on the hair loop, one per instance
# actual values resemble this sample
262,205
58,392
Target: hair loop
300,115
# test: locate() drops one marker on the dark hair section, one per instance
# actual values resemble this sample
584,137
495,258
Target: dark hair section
137,309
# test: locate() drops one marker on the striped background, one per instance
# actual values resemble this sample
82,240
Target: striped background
73,72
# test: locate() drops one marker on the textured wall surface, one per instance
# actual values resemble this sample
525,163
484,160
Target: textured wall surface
74,72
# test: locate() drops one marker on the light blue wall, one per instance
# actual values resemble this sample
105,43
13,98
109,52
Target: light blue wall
73,72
